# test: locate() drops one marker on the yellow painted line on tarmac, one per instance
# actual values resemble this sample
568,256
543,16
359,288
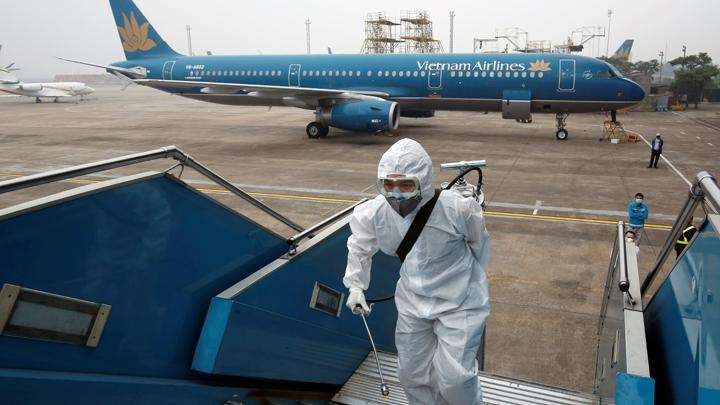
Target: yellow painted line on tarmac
294,197
502,214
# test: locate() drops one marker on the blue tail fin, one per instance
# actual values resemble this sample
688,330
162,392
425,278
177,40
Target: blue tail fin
623,52
139,38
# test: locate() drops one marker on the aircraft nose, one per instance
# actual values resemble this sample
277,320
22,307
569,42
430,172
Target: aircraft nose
635,92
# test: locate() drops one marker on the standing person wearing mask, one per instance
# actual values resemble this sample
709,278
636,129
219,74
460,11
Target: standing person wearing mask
637,212
656,147
442,295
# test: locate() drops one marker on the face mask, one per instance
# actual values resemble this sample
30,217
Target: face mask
403,206
638,200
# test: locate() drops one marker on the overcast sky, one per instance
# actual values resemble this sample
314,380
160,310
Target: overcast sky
33,31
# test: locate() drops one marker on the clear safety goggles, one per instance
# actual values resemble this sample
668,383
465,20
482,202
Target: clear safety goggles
398,186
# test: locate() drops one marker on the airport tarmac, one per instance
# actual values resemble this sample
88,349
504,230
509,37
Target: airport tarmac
552,204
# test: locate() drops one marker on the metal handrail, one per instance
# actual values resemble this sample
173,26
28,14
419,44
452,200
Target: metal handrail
127,160
308,233
608,284
623,284
705,189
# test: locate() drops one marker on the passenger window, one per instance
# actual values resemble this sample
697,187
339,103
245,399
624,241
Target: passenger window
452,74
380,73
350,73
402,73
344,73
387,73
369,73
415,74
393,73
532,74
324,72
357,73
422,74
492,74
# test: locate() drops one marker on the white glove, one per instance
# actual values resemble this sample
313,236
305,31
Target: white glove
355,298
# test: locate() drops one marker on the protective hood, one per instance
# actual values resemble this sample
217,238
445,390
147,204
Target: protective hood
409,158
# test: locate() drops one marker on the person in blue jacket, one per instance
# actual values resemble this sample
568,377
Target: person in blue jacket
637,212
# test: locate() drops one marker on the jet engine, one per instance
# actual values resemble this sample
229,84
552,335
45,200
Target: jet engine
31,87
363,116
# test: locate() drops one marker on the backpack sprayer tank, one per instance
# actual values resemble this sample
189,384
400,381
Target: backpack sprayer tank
460,184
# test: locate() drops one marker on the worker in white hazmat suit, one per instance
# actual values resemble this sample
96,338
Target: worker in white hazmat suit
442,294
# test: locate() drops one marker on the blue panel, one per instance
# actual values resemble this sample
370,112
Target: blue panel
42,388
156,250
683,325
634,390
273,333
516,95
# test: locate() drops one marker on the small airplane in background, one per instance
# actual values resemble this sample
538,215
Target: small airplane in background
56,90
10,84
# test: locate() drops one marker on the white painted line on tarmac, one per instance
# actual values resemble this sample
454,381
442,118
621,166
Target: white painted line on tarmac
697,137
710,144
683,132
666,160
538,203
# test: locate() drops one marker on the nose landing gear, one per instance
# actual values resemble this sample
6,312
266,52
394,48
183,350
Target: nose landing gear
562,133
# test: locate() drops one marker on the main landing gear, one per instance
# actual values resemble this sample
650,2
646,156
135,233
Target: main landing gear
37,100
562,133
316,130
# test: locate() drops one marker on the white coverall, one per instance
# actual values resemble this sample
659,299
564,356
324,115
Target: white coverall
442,294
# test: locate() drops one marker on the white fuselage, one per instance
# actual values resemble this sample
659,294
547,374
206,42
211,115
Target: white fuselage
52,90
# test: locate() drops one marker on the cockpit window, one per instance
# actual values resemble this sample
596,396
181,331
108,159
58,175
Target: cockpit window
613,71
609,71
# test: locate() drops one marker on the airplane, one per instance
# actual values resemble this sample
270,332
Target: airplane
623,52
368,93
10,84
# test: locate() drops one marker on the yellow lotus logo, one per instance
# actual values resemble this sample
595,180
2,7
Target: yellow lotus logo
540,66
134,36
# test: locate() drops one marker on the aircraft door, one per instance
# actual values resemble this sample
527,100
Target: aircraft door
566,75
167,70
434,79
294,75
516,104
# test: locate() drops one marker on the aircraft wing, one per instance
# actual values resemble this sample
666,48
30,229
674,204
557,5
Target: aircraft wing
132,73
260,90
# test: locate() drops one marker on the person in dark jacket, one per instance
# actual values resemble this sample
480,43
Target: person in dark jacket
685,237
655,150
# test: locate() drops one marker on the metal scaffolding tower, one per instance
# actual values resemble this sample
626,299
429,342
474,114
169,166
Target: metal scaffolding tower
538,46
513,35
380,34
417,32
